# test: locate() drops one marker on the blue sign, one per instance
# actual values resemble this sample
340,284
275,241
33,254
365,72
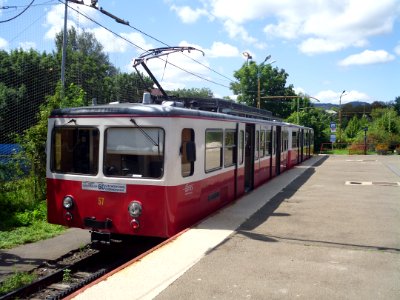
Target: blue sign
333,138
333,127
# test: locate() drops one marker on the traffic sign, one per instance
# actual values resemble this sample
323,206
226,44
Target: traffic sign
333,138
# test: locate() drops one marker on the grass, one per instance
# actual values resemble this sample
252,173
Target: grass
23,215
16,281
38,230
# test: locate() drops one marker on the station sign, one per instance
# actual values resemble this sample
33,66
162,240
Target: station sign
333,138
333,126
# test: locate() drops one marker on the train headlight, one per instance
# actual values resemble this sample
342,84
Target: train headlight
68,202
135,209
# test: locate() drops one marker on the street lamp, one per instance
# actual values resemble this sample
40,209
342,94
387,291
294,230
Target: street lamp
258,78
340,115
248,56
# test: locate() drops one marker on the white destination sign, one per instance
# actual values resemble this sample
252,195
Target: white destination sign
104,187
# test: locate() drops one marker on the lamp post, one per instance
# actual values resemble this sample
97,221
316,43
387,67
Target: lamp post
248,56
259,76
340,115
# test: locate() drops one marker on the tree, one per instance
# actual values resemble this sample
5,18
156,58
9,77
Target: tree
385,127
396,104
315,118
193,92
26,78
272,83
86,64
125,87
33,140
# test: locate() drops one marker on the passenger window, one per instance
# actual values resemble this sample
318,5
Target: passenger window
213,155
134,152
75,150
262,143
268,142
187,166
241,146
230,148
257,146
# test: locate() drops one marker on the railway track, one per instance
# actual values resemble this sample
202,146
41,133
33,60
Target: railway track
61,278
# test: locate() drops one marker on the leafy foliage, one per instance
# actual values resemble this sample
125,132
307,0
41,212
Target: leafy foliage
272,83
86,64
16,281
193,92
314,118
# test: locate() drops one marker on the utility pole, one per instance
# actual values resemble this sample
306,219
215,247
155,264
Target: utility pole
340,115
64,48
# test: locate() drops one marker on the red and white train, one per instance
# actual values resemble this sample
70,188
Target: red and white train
154,169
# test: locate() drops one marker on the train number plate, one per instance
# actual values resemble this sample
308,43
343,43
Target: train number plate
104,187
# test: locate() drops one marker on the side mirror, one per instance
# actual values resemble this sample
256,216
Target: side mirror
190,148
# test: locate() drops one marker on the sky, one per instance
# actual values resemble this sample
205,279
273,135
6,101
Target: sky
326,47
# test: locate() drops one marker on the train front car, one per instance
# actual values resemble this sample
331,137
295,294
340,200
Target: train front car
105,170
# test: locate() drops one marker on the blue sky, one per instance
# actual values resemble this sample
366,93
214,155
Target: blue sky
325,46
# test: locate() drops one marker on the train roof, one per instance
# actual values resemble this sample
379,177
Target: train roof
167,109
145,110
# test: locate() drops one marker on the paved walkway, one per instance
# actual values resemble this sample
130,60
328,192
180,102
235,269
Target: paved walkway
333,232
28,257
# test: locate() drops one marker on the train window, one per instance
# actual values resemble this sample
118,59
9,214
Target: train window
187,165
75,150
274,136
268,142
134,152
285,140
294,139
230,148
257,145
262,143
241,146
213,155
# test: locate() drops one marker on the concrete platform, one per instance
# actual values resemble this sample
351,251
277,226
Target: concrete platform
328,229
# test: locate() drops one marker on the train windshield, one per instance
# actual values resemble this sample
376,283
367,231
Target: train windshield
75,150
134,152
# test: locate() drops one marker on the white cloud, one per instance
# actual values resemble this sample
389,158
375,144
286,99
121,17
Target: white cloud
367,57
329,96
3,44
314,46
55,18
219,49
114,44
237,31
397,49
299,90
181,70
320,26
187,14
27,45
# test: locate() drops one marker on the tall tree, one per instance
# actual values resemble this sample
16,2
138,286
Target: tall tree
86,64
193,92
26,78
272,83
396,104
315,118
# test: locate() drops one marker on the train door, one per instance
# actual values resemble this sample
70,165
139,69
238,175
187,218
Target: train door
278,150
298,146
249,157
301,145
240,170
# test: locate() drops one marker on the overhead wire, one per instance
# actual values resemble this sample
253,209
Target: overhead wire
141,48
26,8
